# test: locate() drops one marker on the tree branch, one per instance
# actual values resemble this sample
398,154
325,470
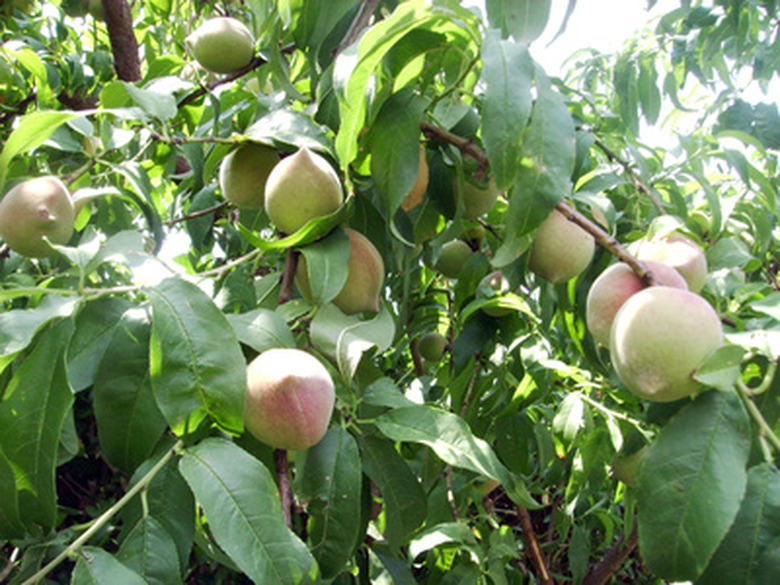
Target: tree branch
635,180
124,46
361,21
256,62
602,238
537,556
600,573
194,214
283,481
288,276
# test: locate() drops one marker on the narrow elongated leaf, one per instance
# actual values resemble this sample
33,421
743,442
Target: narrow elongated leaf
32,414
94,326
97,567
395,147
151,552
402,493
695,466
507,74
128,420
242,506
525,20
326,264
261,329
33,130
550,147
331,482
197,367
19,326
452,440
753,535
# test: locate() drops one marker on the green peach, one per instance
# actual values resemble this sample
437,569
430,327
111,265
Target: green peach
243,174
560,249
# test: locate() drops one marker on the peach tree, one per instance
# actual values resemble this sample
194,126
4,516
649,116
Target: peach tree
508,450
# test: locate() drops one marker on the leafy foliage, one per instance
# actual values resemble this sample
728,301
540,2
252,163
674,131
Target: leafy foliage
123,456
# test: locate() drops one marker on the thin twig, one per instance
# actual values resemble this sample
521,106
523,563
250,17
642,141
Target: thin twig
537,556
107,515
635,180
256,62
602,238
288,276
414,347
600,573
766,430
283,481
194,214
451,493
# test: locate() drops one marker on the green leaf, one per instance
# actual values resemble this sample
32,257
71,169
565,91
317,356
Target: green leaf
196,362
404,499
450,438
545,178
327,266
444,533
570,419
722,368
169,500
261,329
507,74
346,337
241,502
356,65
151,552
95,324
525,20
128,420
312,231
331,482
649,94
285,129
97,567
158,105
695,466
395,147
19,326
32,414
33,130
755,533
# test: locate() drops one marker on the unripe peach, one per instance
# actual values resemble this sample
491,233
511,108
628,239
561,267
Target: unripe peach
452,258
431,346
660,337
478,198
243,174
560,249
680,252
300,188
420,186
222,44
499,285
289,399
613,287
34,209
365,277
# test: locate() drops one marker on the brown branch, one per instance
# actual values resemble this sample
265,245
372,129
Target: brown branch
194,214
124,46
256,62
288,276
18,109
639,185
283,481
537,556
361,21
414,347
600,573
77,102
602,238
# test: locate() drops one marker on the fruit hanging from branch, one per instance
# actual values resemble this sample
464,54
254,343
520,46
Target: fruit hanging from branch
561,249
289,399
37,208
680,252
222,44
244,172
613,287
300,188
660,337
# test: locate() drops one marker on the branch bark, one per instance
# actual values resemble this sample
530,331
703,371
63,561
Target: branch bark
361,21
124,46
600,573
537,556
